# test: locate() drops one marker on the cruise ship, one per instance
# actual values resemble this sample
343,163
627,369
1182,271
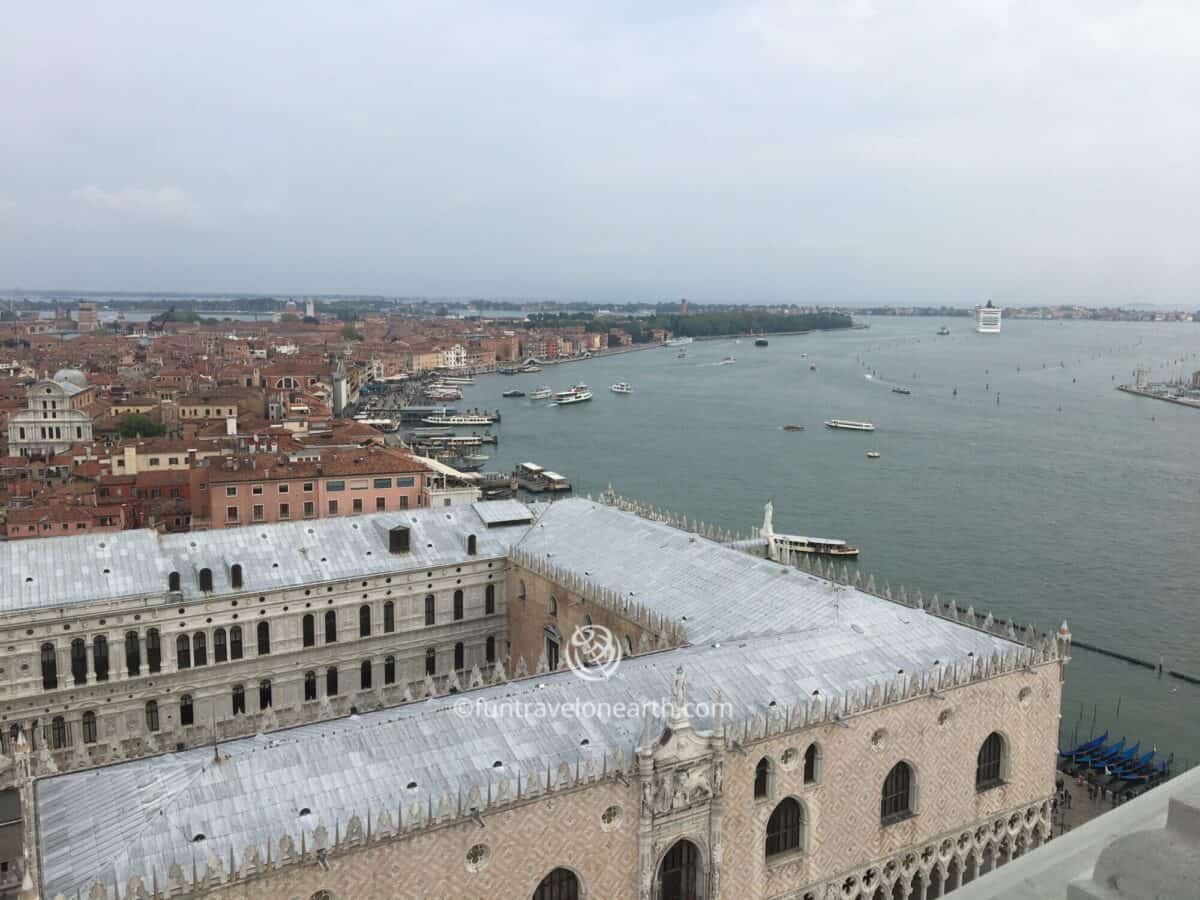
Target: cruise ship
987,318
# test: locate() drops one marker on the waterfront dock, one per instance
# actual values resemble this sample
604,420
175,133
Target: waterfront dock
1159,395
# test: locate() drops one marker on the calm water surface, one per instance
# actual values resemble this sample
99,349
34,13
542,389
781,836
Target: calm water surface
1038,492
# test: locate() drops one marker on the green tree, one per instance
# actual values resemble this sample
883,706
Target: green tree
139,425
350,333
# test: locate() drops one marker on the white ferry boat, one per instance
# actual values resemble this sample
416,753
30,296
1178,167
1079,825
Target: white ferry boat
847,425
677,342
987,318
622,387
578,394
461,419
542,393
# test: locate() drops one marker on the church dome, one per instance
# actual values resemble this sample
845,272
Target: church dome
71,376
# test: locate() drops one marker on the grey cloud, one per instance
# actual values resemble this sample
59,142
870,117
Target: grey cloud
802,151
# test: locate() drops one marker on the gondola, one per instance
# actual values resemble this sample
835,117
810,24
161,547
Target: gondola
1135,766
1085,747
1098,757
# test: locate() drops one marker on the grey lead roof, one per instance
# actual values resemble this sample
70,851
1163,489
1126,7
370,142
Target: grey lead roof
717,593
139,816
759,632
56,572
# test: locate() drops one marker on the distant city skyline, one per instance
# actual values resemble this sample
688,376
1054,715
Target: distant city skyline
851,153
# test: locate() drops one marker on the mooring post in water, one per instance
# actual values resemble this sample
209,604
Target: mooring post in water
1160,666
1118,708
1093,731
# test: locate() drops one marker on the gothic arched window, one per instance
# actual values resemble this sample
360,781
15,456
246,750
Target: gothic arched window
785,827
989,765
896,799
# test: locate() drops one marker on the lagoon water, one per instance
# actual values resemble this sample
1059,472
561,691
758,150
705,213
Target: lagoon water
1039,492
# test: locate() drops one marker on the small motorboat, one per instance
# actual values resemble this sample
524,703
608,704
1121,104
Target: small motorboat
513,393
901,390
872,454
943,330
760,342
848,425
621,387
812,367
681,354
727,361
793,427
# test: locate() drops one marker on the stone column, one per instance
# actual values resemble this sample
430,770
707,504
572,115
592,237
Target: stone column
646,873
116,658
90,673
63,658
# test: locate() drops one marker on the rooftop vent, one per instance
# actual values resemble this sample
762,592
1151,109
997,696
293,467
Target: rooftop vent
398,539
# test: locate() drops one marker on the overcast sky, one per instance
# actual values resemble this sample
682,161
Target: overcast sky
831,151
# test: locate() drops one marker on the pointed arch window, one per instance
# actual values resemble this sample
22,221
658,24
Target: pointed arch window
364,621
560,884
220,646
989,765
173,581
235,642
811,759
785,827
49,667
309,630
430,609
762,778
389,670
235,575
330,627
389,617
458,605
896,799
206,582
